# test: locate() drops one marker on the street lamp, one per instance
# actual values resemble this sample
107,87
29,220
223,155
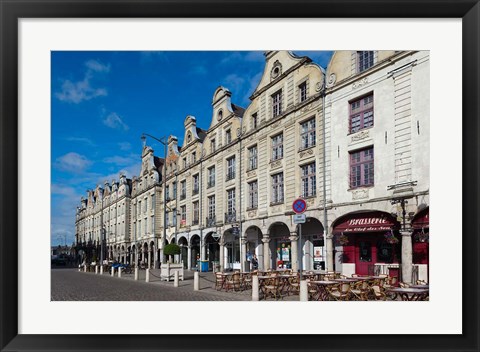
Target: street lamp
164,141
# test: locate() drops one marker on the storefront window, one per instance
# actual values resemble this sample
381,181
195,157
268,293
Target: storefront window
384,252
365,251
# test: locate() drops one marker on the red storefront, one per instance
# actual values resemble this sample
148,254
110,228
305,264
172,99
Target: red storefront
368,238
420,226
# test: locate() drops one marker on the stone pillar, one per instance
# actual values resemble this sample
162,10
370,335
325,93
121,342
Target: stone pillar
329,250
303,291
255,288
243,253
294,245
266,255
154,253
196,281
189,257
222,255
406,256
149,259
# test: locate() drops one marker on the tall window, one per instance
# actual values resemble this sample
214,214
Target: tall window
307,133
211,177
361,113
195,213
211,207
302,90
139,208
145,205
231,168
167,218
277,147
183,215
277,103
152,202
183,189
252,158
309,181
252,194
167,192
361,168
196,184
174,190
254,121
174,211
231,201
212,145
365,60
228,136
277,188
194,157
184,163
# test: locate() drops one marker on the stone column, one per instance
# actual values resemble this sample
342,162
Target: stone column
294,243
243,253
154,253
329,250
406,256
222,254
149,259
189,257
266,255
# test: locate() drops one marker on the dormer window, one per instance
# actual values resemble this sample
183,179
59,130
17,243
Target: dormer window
220,115
194,157
302,89
277,103
364,60
189,138
254,121
212,145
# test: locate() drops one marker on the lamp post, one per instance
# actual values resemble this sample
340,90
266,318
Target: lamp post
164,141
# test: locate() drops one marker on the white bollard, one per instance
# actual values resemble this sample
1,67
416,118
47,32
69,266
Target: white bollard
96,269
147,273
79,268
255,286
113,271
119,272
136,273
175,279
85,268
101,269
196,281
303,291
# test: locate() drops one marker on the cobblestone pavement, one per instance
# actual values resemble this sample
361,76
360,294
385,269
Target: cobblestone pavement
72,285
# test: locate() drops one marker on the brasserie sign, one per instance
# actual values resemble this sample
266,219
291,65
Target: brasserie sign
365,224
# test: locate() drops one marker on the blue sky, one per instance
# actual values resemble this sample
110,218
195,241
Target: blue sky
103,101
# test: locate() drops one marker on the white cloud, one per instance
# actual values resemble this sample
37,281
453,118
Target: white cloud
83,140
72,162
125,146
120,160
113,120
234,82
76,92
97,66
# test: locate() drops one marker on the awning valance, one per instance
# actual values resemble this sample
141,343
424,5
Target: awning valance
371,221
421,219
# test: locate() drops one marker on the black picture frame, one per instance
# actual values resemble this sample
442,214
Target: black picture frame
12,11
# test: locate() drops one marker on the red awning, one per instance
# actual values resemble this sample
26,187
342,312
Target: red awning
371,221
421,219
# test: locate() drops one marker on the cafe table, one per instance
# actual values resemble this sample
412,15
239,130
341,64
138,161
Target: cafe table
322,293
410,294
425,287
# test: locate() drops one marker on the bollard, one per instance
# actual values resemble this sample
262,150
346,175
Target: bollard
303,291
96,269
175,279
119,272
101,269
147,273
136,273
79,268
113,271
255,295
85,268
196,281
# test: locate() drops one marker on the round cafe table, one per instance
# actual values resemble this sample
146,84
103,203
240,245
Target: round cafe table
425,287
322,293
410,294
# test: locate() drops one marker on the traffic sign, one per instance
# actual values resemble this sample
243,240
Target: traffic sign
299,218
299,206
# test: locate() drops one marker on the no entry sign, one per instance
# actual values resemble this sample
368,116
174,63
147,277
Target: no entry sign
299,206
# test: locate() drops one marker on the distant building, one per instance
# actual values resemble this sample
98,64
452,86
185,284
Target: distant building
352,141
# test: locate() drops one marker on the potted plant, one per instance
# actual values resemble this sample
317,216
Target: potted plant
170,250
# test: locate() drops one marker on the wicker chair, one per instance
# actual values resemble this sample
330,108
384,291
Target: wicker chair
246,279
219,281
272,287
360,290
377,293
341,293
233,282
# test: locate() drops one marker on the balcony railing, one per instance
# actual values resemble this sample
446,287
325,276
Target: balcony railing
230,217
210,221
230,175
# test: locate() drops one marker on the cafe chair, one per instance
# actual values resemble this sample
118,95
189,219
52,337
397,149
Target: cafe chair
378,293
421,282
219,280
404,285
360,290
272,287
293,285
246,281
232,282
341,293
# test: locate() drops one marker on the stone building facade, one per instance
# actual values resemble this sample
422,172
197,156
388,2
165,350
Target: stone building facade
353,141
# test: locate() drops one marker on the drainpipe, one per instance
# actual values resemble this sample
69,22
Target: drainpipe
200,205
327,238
242,239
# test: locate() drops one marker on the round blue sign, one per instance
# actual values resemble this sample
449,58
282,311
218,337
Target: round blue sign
299,206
